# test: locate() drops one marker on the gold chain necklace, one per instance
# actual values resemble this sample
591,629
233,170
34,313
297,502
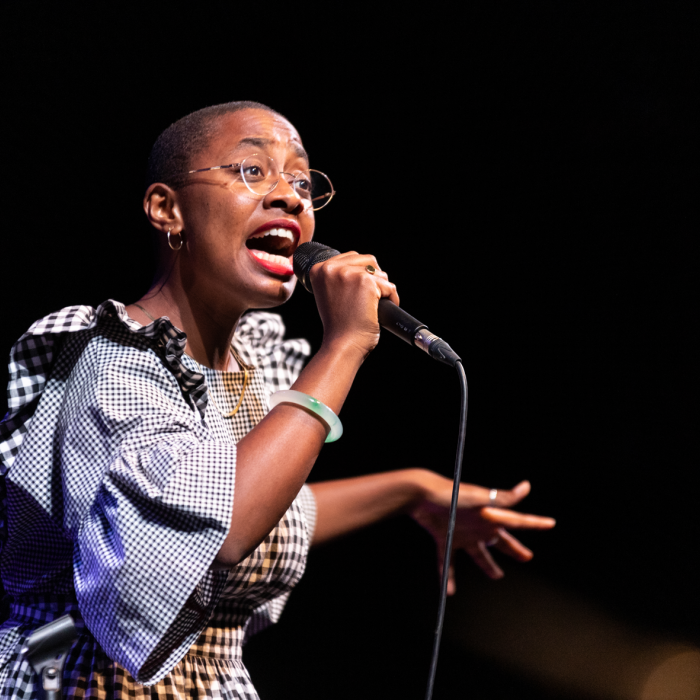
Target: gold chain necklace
201,370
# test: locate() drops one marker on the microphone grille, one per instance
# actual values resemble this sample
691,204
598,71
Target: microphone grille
306,256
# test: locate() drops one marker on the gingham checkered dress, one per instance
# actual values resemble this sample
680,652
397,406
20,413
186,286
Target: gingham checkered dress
118,485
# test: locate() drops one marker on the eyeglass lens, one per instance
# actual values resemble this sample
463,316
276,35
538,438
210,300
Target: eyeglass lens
261,175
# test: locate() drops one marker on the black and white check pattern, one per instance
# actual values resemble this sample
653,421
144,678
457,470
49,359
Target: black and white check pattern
119,483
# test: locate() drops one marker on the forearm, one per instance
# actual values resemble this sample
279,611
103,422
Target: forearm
347,505
275,458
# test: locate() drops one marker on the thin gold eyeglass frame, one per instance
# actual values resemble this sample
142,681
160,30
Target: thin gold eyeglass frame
293,182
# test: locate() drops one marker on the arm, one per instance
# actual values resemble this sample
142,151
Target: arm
275,458
346,505
350,504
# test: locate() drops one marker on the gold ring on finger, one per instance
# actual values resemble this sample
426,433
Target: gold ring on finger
370,269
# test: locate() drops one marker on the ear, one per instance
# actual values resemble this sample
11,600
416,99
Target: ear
162,208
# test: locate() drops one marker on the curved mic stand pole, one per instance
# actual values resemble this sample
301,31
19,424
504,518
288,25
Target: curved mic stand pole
464,402
46,651
412,331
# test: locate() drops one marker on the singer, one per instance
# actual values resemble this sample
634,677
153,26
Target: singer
148,488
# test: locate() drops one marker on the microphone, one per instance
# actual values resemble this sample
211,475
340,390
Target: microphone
391,317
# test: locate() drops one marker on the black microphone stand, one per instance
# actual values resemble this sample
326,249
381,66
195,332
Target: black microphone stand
46,651
411,330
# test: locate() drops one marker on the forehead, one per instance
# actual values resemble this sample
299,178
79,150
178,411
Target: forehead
255,130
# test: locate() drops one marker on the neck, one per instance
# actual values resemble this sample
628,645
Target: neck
208,324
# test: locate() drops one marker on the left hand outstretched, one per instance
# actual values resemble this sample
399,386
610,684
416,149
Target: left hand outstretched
481,522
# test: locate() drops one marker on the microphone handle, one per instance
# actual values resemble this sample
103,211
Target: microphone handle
390,316
410,329
397,321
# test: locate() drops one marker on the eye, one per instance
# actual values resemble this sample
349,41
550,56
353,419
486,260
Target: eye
254,171
255,168
302,184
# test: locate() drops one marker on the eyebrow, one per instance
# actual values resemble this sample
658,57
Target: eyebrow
264,143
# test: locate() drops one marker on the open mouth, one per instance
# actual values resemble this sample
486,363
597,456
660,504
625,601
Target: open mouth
274,248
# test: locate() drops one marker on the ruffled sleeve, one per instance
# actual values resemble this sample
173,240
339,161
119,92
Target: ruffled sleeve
159,515
111,473
259,339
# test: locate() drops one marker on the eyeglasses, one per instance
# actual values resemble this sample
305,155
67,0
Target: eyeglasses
261,175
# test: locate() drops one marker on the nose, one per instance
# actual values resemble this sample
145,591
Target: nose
285,197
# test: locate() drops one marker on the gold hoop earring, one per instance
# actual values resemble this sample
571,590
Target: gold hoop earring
170,243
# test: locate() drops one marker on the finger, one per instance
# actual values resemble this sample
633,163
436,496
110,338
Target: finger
347,262
440,549
520,521
451,581
387,290
359,259
512,546
516,494
347,269
509,497
482,557
505,498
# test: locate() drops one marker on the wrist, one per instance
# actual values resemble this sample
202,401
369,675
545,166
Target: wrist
414,483
329,375
347,348
425,484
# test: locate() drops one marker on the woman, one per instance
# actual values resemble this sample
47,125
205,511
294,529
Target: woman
150,490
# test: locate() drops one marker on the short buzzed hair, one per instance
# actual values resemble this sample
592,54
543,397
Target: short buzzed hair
174,149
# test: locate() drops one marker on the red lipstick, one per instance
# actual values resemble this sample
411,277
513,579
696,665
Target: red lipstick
289,224
275,257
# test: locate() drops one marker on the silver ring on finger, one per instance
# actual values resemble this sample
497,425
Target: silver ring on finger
371,269
493,495
492,541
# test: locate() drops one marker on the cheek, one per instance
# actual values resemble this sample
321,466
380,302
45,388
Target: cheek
222,219
308,225
229,210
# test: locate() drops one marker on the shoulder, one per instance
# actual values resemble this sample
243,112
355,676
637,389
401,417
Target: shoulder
262,333
260,329
96,335
260,341
72,319
79,348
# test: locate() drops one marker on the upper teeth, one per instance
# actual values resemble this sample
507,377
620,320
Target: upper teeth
282,232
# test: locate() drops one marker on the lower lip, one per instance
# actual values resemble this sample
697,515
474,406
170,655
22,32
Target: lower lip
283,270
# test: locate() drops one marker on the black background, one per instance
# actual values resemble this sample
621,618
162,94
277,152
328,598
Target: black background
524,174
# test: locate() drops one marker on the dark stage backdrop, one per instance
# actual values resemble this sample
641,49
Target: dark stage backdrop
521,174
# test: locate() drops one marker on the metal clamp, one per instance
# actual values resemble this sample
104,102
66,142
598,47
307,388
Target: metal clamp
46,651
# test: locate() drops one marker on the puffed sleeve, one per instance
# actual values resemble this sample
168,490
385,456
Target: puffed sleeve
149,497
260,340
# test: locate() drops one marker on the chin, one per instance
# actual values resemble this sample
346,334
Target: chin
272,299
